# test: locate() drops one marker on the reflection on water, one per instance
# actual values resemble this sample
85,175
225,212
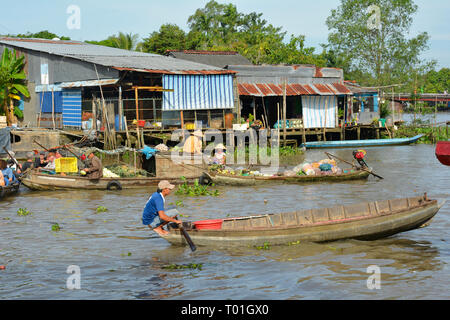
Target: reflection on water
122,259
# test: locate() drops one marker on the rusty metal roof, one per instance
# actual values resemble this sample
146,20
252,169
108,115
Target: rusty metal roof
296,89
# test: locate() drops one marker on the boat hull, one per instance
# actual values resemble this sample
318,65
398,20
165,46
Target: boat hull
362,143
38,181
9,190
443,152
228,180
378,221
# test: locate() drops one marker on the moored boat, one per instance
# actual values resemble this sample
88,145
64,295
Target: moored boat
443,152
363,221
11,189
40,181
362,143
236,180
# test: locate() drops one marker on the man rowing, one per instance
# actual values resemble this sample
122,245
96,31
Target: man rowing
153,215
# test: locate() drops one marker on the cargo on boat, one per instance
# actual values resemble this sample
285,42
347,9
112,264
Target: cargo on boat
364,221
235,180
40,181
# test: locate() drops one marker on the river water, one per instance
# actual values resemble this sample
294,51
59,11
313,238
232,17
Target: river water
119,258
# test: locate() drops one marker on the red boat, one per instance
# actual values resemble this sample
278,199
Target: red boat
443,152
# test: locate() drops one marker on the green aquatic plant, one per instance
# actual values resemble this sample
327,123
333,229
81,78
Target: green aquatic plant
23,212
195,190
56,227
265,246
193,266
101,209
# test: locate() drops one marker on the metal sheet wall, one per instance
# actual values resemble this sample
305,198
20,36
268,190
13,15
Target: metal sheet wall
319,111
71,100
198,92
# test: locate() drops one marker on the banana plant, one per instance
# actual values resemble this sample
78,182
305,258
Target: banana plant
12,81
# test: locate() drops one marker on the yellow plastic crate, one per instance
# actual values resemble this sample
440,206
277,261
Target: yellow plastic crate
69,165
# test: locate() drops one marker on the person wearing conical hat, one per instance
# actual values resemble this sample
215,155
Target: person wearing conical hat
193,144
219,154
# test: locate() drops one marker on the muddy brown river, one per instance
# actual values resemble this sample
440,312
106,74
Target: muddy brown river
119,258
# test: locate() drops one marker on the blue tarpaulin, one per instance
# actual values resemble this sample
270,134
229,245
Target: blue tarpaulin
5,139
148,152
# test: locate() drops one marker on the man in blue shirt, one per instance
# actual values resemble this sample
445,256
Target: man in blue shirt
153,215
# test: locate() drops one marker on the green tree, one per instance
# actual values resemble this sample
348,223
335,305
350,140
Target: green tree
437,81
45,34
12,81
126,41
377,49
169,37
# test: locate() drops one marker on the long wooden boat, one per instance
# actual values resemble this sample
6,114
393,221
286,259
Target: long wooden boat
11,189
443,152
362,143
364,221
40,181
234,180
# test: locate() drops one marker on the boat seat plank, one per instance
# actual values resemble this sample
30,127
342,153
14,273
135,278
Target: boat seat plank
336,213
290,219
304,217
320,215
399,204
260,222
357,210
383,207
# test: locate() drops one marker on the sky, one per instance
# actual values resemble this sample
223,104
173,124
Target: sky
102,18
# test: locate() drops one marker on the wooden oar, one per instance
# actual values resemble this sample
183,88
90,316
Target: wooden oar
362,168
9,154
185,235
188,239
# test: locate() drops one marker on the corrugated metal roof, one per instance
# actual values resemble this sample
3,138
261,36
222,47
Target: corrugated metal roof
111,57
270,89
219,59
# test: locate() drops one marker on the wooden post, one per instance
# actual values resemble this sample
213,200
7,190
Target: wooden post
358,131
209,118
284,112
182,119
325,124
53,110
278,122
128,143
120,109
94,115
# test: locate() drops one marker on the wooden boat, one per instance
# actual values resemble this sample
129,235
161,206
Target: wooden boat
40,181
234,180
11,189
362,143
443,152
364,221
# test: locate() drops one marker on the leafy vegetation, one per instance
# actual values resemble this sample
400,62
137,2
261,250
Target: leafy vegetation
265,246
23,212
195,190
173,266
101,209
12,82
56,227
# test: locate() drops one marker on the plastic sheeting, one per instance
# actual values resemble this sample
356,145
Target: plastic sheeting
319,111
5,139
198,92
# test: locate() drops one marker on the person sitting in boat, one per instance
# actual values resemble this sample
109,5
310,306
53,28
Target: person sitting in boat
50,166
153,215
219,154
29,164
8,174
40,162
2,180
95,167
193,144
